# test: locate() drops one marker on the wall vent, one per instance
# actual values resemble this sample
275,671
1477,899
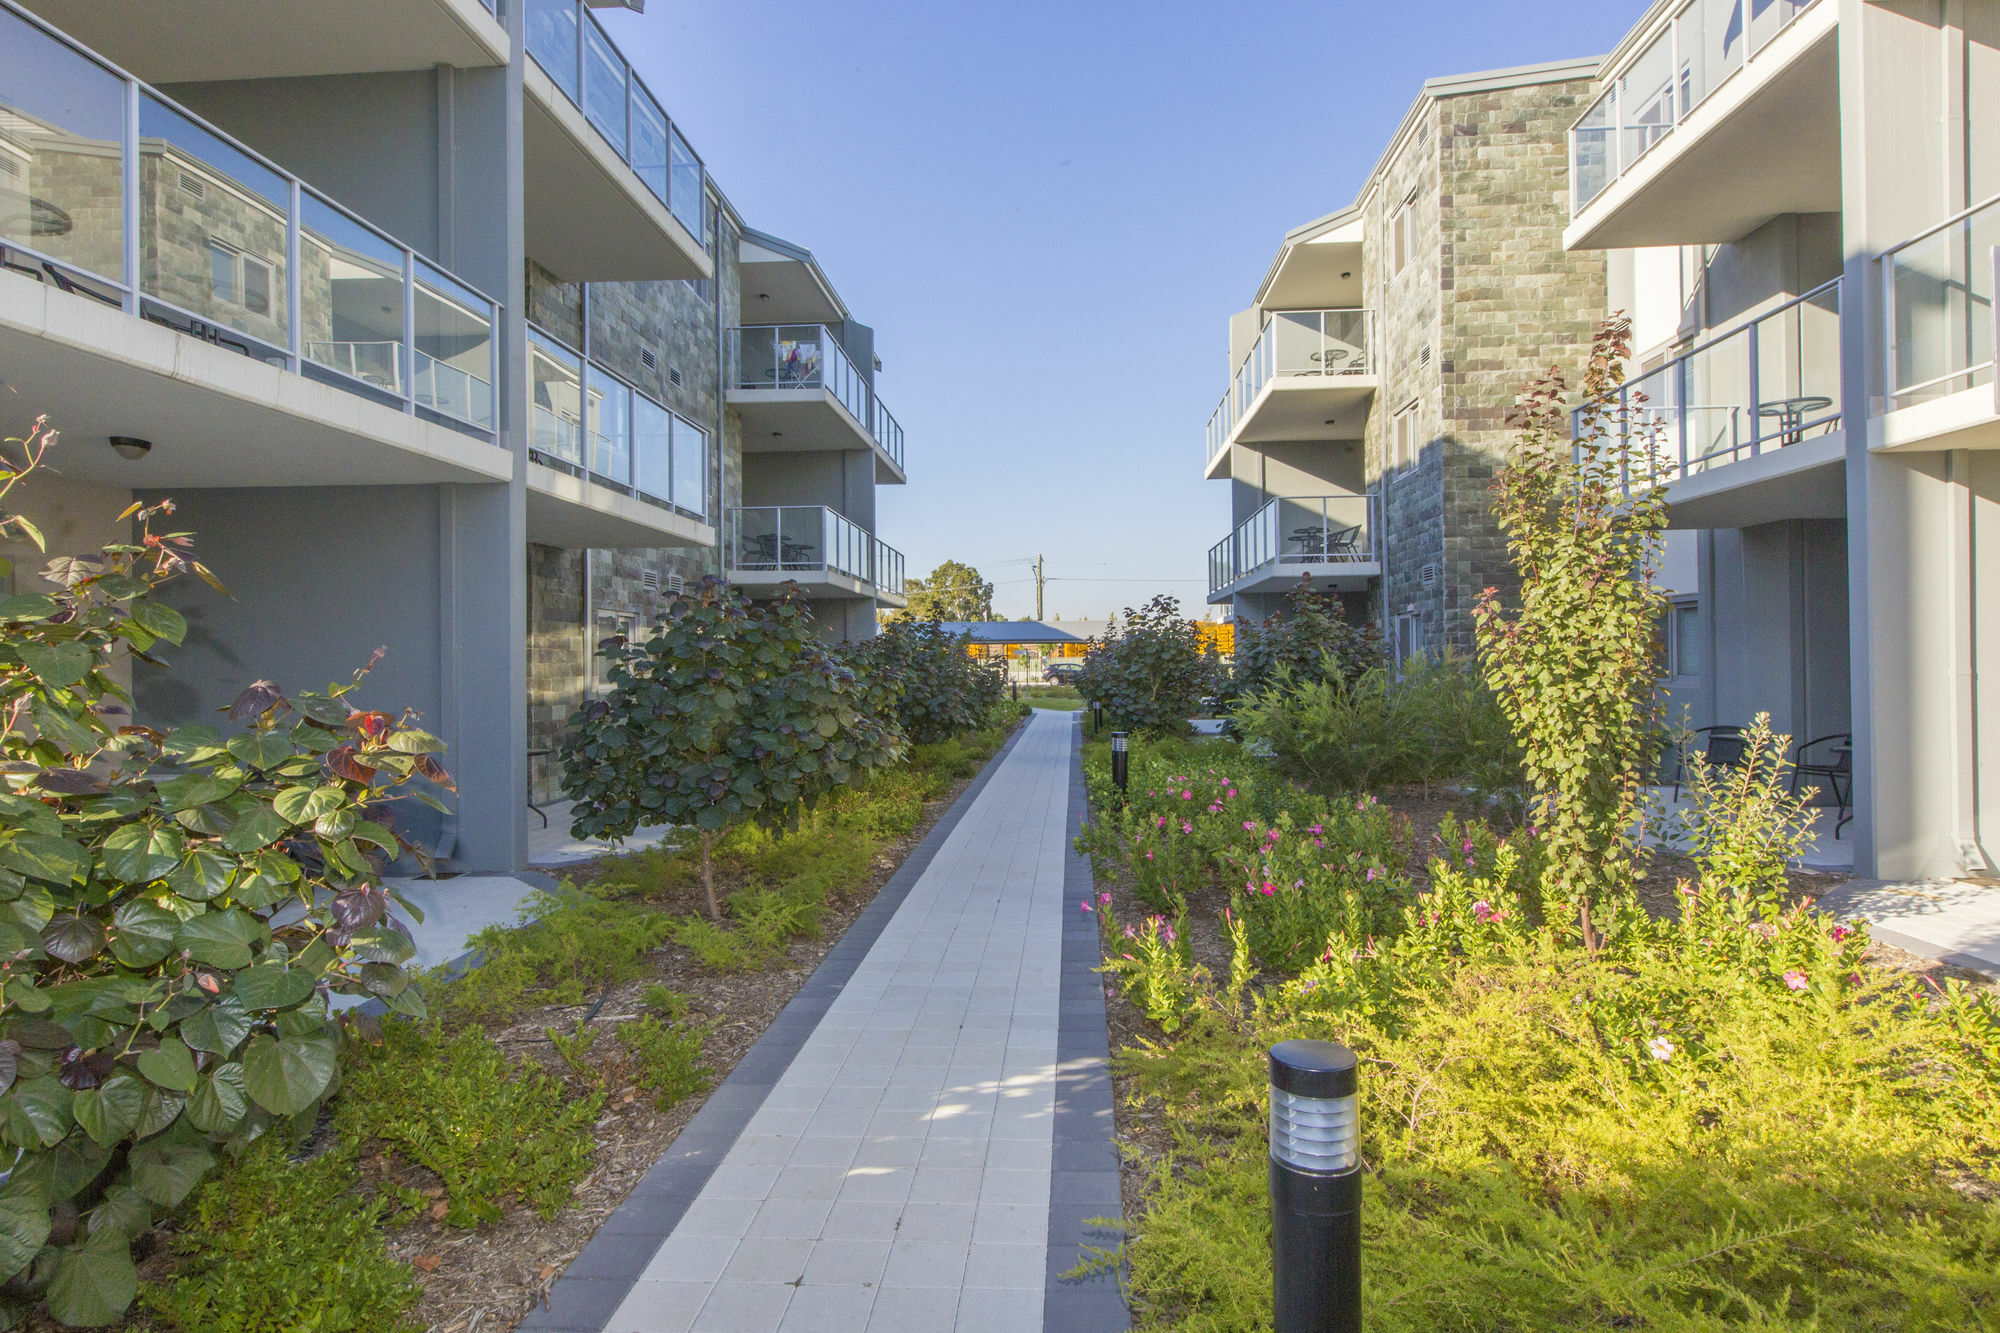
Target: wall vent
1424,355
647,359
649,579
676,584
1428,575
194,187
8,167
674,375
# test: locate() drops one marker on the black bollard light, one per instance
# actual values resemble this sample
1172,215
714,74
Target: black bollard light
1118,759
1096,716
1315,1189
1017,691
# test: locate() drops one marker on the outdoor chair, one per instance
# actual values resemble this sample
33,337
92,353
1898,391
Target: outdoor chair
1723,747
1830,757
1344,541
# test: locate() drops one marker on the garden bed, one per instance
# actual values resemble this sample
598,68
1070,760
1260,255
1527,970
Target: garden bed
1622,1233
484,1278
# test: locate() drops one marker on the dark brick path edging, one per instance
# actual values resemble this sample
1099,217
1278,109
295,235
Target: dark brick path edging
1085,1183
596,1283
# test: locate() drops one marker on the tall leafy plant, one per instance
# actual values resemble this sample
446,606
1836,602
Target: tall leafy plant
940,690
1151,673
175,909
1573,663
1309,640
731,711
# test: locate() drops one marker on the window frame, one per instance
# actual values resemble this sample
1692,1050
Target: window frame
240,262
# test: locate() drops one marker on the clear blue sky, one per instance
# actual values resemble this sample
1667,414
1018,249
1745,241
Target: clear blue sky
1048,209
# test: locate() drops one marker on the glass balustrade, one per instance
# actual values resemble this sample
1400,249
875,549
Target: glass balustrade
1297,530
808,356
1770,383
590,423
1693,54
573,49
808,539
1940,295
1320,343
188,229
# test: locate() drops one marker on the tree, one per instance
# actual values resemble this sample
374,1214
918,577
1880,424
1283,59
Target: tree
1151,675
1574,663
940,689
1309,638
175,909
733,710
952,592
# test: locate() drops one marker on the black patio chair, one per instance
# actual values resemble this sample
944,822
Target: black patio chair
1835,763
1724,747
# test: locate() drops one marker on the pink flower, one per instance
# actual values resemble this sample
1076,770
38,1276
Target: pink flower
1230,792
1315,830
1149,856
1215,808
1841,932
1795,979
1249,824
1483,910
1086,904
1152,793
1272,836
1661,1048
1186,827
1467,849
1187,796
1372,872
1131,932
1269,888
1104,899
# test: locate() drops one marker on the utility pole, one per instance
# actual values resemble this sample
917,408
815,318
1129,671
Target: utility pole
1038,587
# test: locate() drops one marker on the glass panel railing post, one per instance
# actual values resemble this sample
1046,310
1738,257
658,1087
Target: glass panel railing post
1756,391
582,17
294,282
129,186
408,354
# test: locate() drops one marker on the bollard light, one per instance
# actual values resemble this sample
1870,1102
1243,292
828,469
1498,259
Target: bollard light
1017,691
1315,1189
1096,716
1118,759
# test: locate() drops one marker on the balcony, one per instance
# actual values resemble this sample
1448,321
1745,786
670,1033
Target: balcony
1748,425
614,192
1309,376
815,547
200,41
608,466
1938,290
1329,540
159,279
1720,116
797,389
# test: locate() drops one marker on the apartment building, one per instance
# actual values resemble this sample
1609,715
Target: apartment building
1372,375
441,338
1797,203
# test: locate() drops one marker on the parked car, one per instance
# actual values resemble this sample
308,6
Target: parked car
1061,673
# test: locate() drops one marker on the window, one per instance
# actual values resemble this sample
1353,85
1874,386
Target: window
238,279
1680,639
1403,234
1403,442
610,623
1408,641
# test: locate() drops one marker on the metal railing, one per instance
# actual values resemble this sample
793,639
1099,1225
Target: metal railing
1293,343
1298,531
1763,385
588,422
1699,47
808,356
113,191
809,539
1938,308
570,45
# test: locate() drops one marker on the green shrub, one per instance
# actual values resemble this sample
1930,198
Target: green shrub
731,711
492,1132
940,689
175,910
665,1001
668,1057
273,1247
1431,721
717,946
565,944
1742,825
1151,673
1310,639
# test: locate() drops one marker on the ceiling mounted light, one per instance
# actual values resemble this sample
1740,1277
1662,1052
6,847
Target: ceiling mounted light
1347,275
131,446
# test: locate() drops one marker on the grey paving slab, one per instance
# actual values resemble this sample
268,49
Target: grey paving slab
895,1170
1952,921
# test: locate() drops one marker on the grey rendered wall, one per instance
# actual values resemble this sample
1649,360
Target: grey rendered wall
1776,618
1319,467
318,579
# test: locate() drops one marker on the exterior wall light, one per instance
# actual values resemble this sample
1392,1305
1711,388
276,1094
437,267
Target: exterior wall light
1315,1188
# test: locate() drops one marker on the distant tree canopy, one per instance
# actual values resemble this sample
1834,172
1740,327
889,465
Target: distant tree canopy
952,592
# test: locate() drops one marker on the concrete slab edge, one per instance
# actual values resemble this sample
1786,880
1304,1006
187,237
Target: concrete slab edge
598,1280
1085,1185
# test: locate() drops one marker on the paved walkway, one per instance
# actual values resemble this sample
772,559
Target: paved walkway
1953,921
884,1159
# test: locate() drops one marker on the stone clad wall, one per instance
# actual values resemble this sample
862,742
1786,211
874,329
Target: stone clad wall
1515,303
1494,297
677,322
